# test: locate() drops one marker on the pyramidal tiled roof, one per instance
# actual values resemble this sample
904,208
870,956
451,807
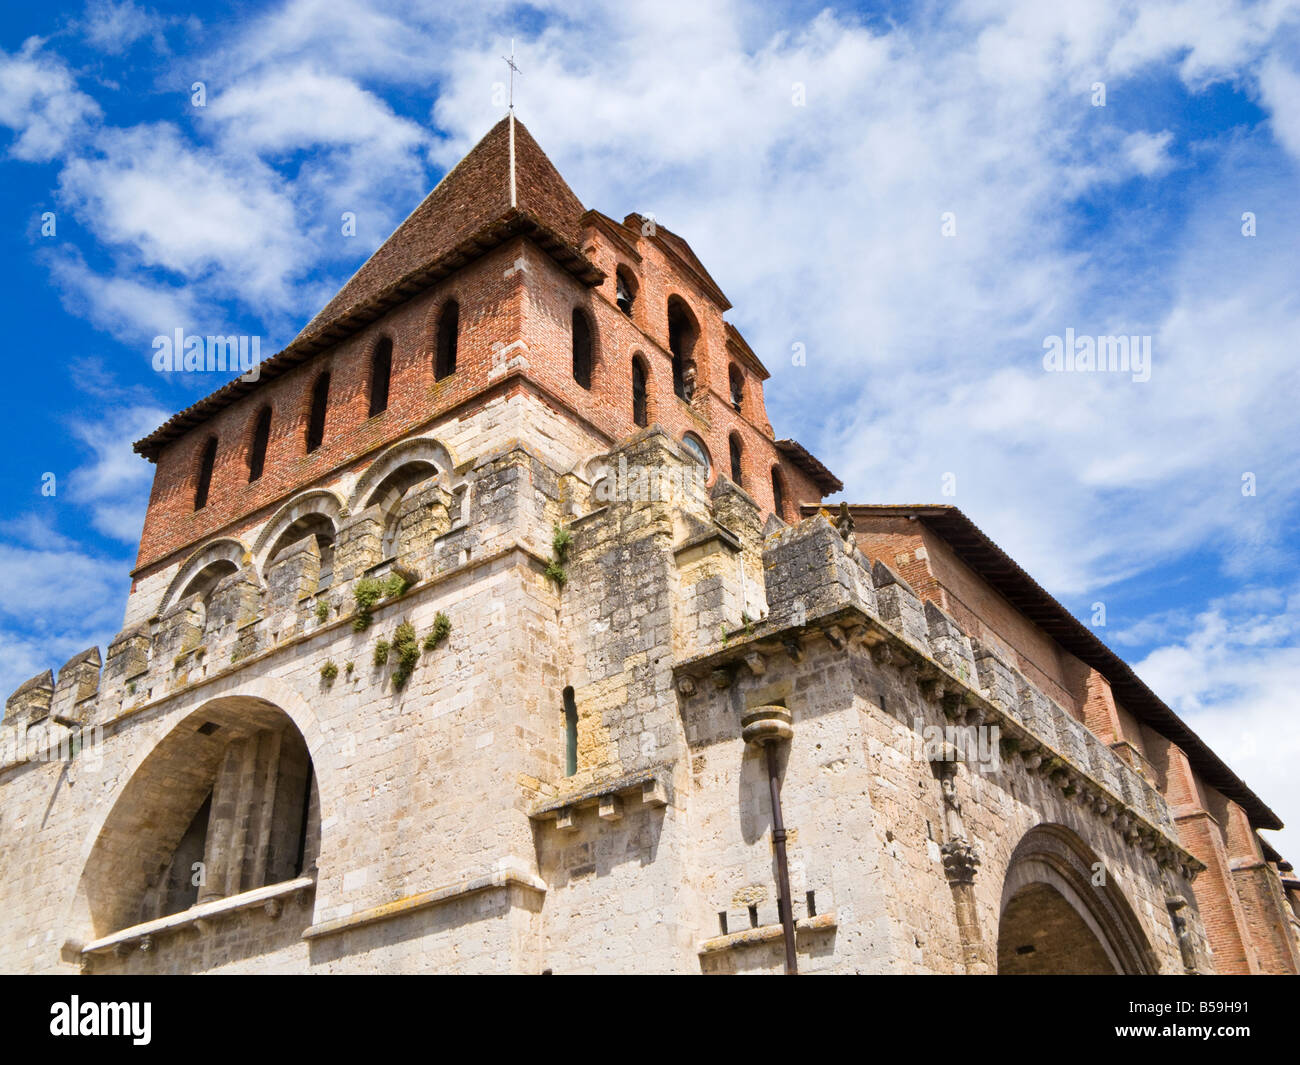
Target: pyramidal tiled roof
493,178
504,187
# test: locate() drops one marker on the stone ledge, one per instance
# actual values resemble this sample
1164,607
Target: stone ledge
654,785
192,918
717,535
823,922
507,876
848,623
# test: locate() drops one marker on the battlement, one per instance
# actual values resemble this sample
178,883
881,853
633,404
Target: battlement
820,584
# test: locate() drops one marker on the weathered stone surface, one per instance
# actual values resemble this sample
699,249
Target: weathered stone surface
534,756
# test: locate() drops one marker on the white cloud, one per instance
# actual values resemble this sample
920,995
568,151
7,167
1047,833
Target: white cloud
132,310
191,211
114,27
287,110
1232,674
1279,87
114,485
40,102
54,602
1148,153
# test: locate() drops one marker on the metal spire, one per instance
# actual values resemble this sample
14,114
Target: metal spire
510,62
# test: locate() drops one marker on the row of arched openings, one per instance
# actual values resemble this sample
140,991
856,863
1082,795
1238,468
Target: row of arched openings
447,335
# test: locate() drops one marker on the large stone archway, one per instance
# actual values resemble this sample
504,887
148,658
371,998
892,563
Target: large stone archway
1060,913
226,802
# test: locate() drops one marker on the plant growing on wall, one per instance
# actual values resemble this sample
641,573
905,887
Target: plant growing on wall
408,653
370,590
561,539
381,652
441,630
329,671
367,593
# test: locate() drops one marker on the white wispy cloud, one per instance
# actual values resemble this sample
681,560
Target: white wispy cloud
112,26
1231,672
40,103
114,484
133,310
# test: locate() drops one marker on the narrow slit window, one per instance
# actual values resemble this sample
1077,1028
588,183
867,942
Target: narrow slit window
261,438
570,733
640,402
448,339
206,463
320,394
735,449
778,494
381,372
581,349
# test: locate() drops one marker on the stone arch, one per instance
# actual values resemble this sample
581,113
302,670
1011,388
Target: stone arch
1054,919
132,832
421,449
209,557
316,501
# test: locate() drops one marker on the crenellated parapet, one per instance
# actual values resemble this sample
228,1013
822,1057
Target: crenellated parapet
77,687
816,588
227,605
30,702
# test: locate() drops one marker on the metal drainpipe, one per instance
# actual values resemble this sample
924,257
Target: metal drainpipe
766,726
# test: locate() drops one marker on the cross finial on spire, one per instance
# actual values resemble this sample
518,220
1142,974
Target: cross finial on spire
510,62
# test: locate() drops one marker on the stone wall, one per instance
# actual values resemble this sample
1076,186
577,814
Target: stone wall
451,837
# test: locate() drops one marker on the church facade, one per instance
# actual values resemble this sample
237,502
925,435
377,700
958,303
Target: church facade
493,629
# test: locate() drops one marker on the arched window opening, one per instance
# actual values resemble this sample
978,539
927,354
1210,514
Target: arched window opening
206,462
381,372
624,290
317,526
320,394
696,447
229,793
735,454
444,364
570,733
682,334
737,382
205,582
261,437
398,497
581,349
640,399
778,493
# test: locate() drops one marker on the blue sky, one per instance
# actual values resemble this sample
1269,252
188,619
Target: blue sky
810,154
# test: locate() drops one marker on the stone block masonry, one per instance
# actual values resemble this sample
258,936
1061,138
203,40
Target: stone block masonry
461,688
